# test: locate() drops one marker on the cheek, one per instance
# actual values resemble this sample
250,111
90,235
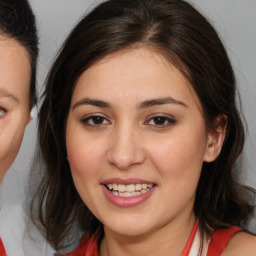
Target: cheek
81,156
83,153
85,163
179,166
11,136
179,159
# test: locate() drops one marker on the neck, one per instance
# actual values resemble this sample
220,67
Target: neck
168,240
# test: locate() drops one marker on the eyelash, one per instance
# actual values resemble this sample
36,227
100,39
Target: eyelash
164,120
96,121
87,121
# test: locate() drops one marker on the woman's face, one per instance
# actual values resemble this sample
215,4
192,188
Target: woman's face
136,140
14,99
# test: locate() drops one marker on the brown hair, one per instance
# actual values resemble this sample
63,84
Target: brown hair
188,40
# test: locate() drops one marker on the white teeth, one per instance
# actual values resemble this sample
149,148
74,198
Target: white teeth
121,187
129,190
115,193
144,186
128,194
138,186
110,186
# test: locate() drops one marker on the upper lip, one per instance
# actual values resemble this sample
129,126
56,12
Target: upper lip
126,181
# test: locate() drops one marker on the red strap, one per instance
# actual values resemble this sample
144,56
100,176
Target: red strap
2,250
190,240
220,239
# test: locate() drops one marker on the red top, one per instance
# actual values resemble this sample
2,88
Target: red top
190,240
220,239
218,242
2,250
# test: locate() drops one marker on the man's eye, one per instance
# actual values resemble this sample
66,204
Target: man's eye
95,121
161,121
2,112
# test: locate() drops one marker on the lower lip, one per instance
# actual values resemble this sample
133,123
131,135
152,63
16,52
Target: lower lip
127,201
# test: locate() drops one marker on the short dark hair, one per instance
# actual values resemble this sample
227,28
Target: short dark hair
178,31
17,21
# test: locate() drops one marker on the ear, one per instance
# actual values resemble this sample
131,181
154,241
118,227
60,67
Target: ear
215,138
30,118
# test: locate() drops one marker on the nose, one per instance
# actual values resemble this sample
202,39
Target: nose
126,148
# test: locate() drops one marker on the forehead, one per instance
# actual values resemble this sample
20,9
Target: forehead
140,72
14,69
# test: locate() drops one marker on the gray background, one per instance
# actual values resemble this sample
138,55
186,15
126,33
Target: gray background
234,19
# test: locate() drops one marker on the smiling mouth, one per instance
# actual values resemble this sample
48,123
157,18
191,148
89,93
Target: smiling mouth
129,190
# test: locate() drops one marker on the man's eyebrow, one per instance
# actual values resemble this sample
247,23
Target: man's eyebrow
4,93
160,101
93,102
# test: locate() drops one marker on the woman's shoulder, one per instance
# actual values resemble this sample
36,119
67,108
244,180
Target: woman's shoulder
232,241
242,243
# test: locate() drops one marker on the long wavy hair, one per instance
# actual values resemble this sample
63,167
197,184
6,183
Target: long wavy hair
180,33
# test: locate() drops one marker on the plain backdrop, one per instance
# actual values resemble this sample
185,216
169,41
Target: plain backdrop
234,19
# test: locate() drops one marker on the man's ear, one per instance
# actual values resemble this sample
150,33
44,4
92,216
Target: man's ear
215,138
32,114
30,118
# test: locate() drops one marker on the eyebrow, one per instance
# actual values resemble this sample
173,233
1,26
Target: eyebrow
160,101
4,93
144,104
93,102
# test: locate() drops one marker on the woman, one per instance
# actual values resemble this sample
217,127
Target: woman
139,133
18,56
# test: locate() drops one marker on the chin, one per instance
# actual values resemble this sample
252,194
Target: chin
134,227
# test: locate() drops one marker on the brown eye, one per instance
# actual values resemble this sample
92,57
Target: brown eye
161,121
95,121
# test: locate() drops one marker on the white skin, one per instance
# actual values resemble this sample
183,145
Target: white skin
14,99
121,137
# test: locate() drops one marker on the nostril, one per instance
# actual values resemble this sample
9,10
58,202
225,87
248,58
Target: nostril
124,158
